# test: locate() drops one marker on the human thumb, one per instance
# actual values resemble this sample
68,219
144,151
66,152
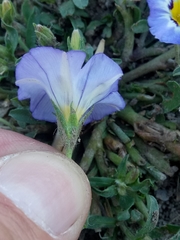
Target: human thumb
47,195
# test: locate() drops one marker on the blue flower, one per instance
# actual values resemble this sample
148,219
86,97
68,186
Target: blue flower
50,77
164,20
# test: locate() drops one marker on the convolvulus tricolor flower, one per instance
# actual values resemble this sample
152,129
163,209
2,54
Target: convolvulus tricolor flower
62,89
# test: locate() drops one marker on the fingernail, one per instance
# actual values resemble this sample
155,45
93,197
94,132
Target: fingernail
49,189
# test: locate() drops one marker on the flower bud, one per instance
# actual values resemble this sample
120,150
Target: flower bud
44,35
7,11
77,40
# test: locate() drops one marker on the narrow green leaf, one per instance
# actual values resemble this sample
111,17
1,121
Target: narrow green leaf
143,186
106,193
26,9
122,168
11,38
30,33
135,11
98,182
95,222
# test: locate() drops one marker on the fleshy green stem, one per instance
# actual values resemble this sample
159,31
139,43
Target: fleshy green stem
92,146
121,135
151,66
151,131
177,56
129,115
128,33
141,206
61,146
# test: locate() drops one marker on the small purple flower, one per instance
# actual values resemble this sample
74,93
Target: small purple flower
49,76
164,20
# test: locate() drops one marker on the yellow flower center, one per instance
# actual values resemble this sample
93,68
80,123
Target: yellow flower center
175,11
66,112
79,113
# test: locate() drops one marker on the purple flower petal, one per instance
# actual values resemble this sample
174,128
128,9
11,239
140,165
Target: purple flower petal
47,75
54,69
97,79
161,22
159,4
41,105
112,103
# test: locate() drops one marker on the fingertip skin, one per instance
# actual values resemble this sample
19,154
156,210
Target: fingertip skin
13,142
35,162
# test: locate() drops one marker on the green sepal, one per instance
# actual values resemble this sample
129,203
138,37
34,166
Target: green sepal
60,117
7,12
44,35
68,129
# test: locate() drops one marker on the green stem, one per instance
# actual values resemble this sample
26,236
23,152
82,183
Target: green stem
102,167
136,156
22,44
141,206
151,66
129,235
147,52
128,33
130,116
118,131
93,145
157,175
63,143
114,158
177,56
